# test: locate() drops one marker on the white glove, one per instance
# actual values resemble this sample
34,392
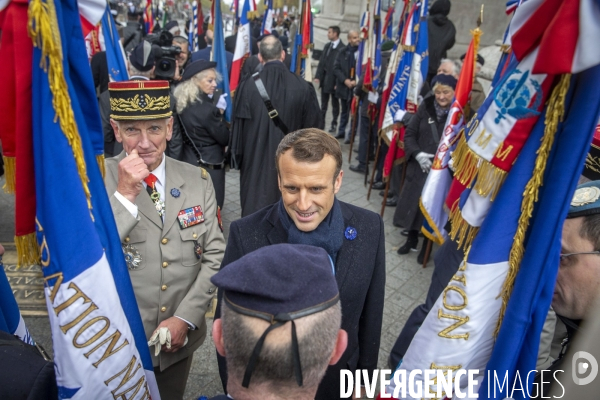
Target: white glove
424,160
222,103
451,163
161,336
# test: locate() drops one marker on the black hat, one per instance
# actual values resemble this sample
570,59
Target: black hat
196,67
143,57
443,79
139,100
480,59
586,200
279,283
171,24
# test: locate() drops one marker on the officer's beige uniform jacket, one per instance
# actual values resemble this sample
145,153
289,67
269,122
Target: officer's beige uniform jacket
171,280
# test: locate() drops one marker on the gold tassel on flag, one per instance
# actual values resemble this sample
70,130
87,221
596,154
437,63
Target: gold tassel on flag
28,252
100,160
10,174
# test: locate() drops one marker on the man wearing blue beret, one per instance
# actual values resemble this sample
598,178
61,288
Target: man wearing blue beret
309,166
280,322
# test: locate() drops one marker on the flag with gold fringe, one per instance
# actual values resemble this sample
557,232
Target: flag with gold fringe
490,315
100,348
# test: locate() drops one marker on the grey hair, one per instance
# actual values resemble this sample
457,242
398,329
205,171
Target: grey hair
188,92
455,69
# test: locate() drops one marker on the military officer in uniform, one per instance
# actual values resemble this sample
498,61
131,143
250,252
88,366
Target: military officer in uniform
166,215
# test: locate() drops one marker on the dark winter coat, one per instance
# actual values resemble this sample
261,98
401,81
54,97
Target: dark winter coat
325,72
255,137
204,125
442,33
360,275
418,138
344,68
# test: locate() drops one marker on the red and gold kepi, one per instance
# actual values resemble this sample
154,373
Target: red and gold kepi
139,100
592,161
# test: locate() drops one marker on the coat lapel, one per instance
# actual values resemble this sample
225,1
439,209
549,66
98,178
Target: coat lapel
346,255
277,234
173,204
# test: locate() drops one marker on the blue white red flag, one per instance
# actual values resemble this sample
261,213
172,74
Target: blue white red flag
267,25
420,61
364,35
115,55
439,178
242,47
386,120
399,90
388,26
100,348
492,312
306,31
461,329
218,55
11,320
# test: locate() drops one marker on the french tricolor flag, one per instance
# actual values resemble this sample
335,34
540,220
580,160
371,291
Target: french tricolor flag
242,47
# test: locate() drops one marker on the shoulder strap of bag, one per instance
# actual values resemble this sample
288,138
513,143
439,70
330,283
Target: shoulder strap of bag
273,114
188,140
434,131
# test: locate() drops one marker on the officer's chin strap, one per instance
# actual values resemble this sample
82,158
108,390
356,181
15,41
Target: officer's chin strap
281,320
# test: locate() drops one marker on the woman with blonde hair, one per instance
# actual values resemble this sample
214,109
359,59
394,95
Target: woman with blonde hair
200,107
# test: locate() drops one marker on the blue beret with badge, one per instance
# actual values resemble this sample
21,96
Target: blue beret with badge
586,200
278,284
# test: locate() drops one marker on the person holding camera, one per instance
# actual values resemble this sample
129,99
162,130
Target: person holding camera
200,107
141,67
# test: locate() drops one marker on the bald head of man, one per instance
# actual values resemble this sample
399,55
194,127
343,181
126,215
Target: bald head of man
353,38
270,49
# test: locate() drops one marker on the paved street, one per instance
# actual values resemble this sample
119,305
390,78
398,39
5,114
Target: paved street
406,281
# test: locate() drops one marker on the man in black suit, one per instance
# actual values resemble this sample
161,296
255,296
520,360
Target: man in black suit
325,76
204,54
309,163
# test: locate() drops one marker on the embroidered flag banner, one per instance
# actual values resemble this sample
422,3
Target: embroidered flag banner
420,60
100,347
493,310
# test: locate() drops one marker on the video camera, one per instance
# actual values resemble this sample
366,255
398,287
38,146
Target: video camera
164,53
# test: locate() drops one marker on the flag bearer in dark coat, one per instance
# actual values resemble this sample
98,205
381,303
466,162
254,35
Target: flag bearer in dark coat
420,145
254,135
326,77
